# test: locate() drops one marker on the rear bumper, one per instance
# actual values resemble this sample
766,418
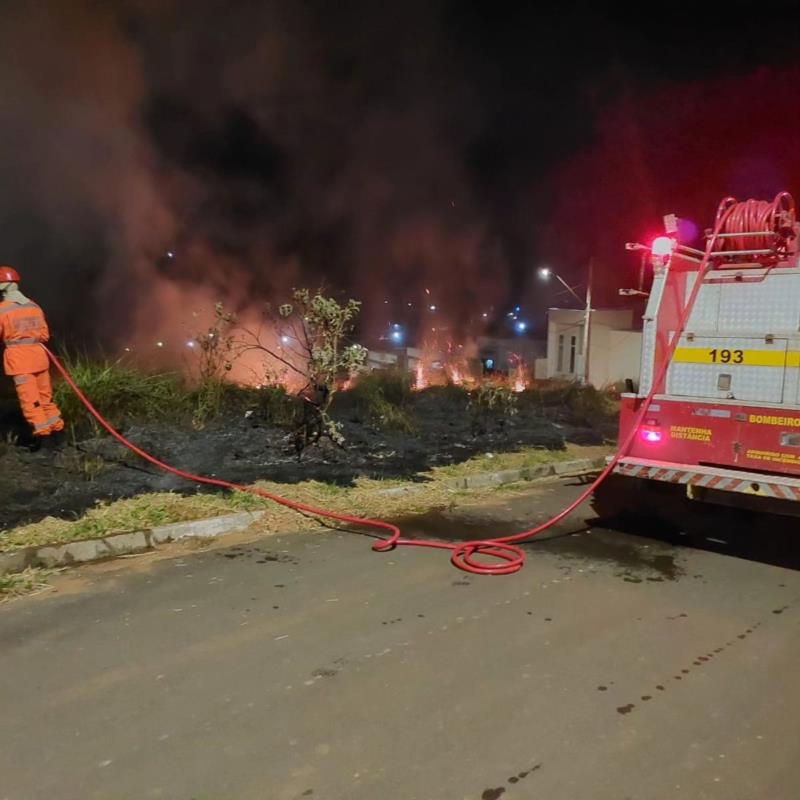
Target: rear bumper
777,487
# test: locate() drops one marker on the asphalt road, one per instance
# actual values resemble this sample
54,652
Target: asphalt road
613,667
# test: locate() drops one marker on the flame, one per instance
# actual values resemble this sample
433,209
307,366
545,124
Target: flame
520,377
421,378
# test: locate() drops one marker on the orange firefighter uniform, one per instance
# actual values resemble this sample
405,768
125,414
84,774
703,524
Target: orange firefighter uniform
23,329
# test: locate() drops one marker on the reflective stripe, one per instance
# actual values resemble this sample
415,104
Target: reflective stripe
20,379
15,306
21,341
48,423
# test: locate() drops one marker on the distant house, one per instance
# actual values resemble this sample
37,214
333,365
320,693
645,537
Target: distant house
614,347
502,354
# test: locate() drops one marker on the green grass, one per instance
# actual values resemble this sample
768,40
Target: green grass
450,393
384,398
585,404
121,392
273,405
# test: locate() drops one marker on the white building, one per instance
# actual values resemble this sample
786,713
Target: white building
614,347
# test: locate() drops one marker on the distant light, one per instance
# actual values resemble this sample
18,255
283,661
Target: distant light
386,302
484,315
409,305
284,339
522,326
544,273
662,246
127,349
190,344
397,336
433,308
510,314
516,308
170,254
159,344
396,325
489,363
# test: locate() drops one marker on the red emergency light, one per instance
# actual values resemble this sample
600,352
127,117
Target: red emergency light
662,246
650,435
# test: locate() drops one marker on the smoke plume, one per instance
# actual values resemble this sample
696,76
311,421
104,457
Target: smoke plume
155,162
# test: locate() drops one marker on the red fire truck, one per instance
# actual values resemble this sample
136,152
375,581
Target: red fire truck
720,369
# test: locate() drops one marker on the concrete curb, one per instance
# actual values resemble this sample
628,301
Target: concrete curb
119,544
481,480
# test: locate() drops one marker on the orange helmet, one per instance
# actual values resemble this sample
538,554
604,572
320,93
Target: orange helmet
8,275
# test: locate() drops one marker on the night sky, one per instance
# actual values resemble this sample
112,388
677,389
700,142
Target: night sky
382,149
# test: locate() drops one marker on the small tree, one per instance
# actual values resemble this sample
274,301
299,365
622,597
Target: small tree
215,354
308,338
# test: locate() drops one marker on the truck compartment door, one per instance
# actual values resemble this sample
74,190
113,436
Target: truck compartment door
735,368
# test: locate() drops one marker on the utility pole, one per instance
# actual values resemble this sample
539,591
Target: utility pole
545,273
587,324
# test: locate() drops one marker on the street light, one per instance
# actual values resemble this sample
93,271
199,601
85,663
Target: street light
544,274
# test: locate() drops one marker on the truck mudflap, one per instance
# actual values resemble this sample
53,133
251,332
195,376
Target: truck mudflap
777,487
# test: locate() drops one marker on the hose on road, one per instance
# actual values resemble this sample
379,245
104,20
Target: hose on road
505,555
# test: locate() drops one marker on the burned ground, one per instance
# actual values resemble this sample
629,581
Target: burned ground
241,447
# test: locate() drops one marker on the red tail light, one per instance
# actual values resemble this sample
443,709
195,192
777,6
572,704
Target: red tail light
650,435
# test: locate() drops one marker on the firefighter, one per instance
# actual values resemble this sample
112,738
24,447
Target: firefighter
23,330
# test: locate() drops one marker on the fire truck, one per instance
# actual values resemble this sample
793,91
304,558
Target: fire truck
716,417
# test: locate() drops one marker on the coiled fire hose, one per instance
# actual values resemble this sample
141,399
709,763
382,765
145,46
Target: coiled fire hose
759,222
507,556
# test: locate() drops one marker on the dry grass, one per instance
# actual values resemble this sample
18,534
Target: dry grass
364,498
19,583
519,459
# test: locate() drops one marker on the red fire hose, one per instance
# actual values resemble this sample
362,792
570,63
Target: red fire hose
508,557
760,222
